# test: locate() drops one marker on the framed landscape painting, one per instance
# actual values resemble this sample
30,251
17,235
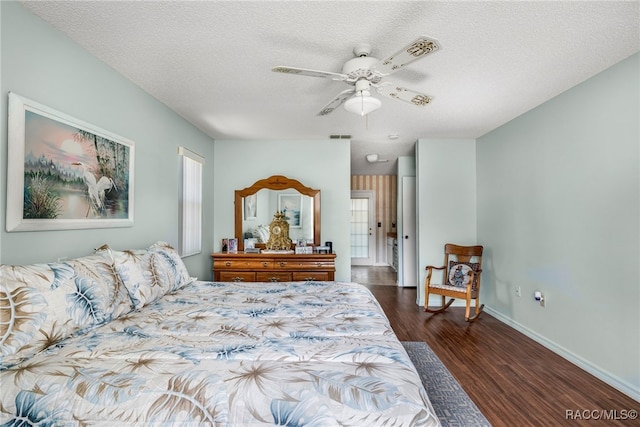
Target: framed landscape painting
64,173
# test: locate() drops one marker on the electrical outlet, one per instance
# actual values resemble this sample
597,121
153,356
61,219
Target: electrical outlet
539,296
518,291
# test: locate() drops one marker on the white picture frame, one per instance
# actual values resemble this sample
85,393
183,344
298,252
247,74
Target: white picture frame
291,207
80,175
250,206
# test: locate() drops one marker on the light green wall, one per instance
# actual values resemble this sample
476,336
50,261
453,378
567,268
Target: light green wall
558,211
324,165
446,201
42,64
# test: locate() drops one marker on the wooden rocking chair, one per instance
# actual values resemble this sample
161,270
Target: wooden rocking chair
461,279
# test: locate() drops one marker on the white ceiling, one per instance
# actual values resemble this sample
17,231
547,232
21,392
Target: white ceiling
210,61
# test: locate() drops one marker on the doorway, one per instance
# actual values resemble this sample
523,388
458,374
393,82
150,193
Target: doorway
363,239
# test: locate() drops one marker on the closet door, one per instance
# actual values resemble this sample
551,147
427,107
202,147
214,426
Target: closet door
408,237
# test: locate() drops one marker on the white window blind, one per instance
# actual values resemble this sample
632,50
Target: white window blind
190,214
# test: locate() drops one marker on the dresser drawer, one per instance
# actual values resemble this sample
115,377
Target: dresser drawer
310,275
273,276
237,276
303,265
273,267
226,264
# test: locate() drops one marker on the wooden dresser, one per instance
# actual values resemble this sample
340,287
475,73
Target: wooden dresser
262,267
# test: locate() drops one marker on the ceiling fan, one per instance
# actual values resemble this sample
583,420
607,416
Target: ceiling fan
364,71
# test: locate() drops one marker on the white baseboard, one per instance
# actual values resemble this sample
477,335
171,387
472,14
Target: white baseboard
594,370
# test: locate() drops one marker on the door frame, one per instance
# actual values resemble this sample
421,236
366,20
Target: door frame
368,194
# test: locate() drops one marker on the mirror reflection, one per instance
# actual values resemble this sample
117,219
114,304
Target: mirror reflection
256,205
258,210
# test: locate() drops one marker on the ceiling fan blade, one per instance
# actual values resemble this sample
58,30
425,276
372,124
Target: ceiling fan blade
336,102
310,73
415,50
403,94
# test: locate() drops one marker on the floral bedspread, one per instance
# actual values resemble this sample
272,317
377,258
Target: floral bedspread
227,354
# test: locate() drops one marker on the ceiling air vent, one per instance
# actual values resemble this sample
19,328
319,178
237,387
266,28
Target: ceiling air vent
336,136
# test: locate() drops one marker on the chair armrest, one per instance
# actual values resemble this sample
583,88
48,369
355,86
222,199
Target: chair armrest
430,269
474,273
472,278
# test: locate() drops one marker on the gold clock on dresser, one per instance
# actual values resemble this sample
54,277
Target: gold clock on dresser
279,234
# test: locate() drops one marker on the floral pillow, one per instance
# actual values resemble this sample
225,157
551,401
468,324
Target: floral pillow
177,272
459,274
148,274
43,304
99,273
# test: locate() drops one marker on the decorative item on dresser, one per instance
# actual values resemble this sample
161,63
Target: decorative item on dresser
273,267
279,234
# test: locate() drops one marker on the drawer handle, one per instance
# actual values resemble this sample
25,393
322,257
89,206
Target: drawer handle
265,264
227,264
273,279
282,263
309,279
237,279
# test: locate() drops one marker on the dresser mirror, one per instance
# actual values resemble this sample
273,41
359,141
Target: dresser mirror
256,205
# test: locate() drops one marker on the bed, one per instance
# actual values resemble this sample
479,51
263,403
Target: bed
155,347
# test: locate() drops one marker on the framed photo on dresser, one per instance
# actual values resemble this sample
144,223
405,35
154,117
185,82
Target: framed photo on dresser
233,246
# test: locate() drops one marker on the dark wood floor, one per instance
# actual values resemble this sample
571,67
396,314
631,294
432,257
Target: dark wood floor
512,379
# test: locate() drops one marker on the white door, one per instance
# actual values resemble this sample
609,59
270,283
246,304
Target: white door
362,233
408,237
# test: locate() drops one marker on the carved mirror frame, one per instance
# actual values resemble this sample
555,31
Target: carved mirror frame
277,182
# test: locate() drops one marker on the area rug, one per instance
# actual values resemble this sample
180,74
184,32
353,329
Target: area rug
450,402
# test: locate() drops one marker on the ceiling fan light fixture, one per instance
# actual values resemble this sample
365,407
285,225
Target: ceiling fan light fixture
375,158
362,103
372,158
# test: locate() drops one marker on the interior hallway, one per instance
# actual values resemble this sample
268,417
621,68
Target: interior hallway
368,275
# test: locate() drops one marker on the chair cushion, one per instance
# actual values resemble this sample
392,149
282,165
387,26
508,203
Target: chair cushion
459,274
449,288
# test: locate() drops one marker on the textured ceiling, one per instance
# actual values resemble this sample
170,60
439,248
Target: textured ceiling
210,61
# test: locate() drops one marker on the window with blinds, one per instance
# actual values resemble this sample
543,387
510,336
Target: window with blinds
190,211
